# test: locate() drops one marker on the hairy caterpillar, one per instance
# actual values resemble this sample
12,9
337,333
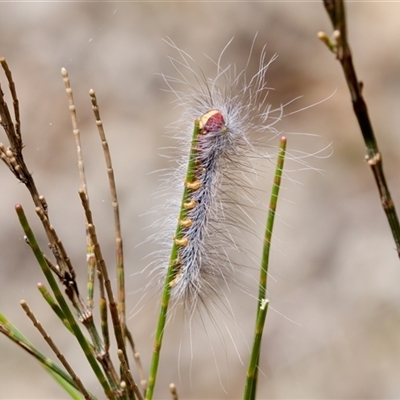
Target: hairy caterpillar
234,123
192,265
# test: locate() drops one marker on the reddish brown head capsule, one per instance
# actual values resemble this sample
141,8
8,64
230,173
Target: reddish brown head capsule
212,121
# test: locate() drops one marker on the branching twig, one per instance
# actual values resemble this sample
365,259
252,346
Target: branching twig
96,351
340,46
12,156
65,380
88,351
94,258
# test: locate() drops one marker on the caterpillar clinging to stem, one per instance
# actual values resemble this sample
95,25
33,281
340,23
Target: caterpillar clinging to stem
233,124
231,119
191,265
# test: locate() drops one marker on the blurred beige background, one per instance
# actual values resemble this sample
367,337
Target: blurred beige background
334,323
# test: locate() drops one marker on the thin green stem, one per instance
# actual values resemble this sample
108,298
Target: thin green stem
262,305
54,306
270,221
55,349
172,269
101,351
65,380
61,301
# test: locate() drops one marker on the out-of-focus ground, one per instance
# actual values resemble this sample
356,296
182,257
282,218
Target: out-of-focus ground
333,330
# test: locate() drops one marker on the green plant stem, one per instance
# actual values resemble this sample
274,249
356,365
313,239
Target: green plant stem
61,301
336,12
262,305
101,351
54,306
171,272
64,379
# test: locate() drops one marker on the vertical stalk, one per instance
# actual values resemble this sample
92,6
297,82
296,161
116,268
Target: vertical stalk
171,272
262,304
